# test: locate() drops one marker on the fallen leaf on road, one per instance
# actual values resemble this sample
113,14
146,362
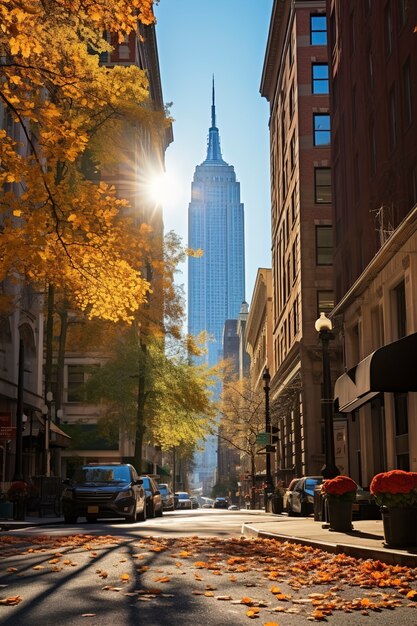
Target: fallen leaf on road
12,601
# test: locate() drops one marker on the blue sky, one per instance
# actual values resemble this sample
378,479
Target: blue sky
227,38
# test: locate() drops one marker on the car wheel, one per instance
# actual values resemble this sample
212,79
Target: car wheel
290,512
131,519
151,510
160,512
142,515
305,509
70,519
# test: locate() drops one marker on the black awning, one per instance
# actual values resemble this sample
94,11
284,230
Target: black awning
392,368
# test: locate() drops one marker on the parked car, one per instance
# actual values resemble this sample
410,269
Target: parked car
182,500
194,502
167,497
207,503
153,497
299,497
104,490
365,506
233,507
221,503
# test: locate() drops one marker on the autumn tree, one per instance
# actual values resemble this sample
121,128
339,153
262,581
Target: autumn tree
152,391
242,418
58,105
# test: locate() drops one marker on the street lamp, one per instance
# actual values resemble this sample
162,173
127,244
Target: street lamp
47,453
324,328
269,486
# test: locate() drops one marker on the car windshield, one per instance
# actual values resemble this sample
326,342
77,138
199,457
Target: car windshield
183,496
102,474
163,488
310,484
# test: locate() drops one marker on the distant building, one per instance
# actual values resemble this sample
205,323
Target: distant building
216,281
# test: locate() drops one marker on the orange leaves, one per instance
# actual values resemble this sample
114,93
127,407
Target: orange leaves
253,612
12,601
299,569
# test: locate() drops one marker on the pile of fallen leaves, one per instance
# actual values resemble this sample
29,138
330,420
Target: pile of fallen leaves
283,577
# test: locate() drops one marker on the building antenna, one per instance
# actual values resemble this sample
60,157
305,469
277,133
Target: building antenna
213,108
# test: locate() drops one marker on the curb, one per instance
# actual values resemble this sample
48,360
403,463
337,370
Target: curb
359,552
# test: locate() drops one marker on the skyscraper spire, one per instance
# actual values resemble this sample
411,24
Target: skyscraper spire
214,155
213,108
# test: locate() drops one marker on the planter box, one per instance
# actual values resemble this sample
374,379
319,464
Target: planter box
399,526
6,510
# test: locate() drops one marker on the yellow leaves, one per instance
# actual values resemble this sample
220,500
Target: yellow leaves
124,578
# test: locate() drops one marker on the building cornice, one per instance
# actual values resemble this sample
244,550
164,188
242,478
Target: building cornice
400,235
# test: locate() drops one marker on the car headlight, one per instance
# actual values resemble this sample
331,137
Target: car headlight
124,494
68,493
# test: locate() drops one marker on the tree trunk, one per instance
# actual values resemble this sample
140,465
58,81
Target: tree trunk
140,417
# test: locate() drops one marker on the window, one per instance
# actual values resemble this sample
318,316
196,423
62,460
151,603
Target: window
322,185
77,378
321,129
403,12
324,245
291,100
392,119
408,107
325,302
320,78
372,142
371,69
292,152
388,29
401,413
318,30
400,309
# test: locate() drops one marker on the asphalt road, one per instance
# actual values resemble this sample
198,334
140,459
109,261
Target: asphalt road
189,569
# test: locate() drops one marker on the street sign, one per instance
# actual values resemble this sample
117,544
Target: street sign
263,439
7,432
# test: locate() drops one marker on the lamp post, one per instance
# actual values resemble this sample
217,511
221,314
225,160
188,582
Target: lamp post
269,486
46,415
324,328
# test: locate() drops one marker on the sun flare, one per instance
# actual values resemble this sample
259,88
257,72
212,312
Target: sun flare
163,189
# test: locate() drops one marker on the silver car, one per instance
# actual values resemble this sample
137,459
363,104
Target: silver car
182,500
167,497
299,497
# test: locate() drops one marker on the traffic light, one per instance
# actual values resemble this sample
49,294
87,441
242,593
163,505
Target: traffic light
274,434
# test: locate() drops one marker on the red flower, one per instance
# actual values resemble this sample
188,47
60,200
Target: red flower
395,488
342,487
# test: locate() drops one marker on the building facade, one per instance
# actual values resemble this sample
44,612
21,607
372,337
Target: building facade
295,81
216,280
373,48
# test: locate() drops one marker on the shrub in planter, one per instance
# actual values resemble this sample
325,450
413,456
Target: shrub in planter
395,488
341,488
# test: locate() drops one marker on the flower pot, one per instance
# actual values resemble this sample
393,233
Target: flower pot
399,526
340,515
6,510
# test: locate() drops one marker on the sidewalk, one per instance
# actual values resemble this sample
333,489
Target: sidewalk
365,541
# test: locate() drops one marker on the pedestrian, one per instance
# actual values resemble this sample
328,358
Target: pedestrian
247,501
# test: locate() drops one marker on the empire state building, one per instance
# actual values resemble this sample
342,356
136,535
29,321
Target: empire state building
216,281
